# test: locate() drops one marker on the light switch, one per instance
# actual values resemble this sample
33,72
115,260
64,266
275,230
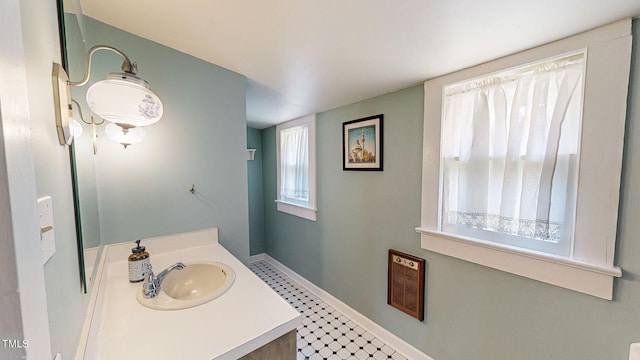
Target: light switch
47,234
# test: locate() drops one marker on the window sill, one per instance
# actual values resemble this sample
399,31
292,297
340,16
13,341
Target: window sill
297,210
556,270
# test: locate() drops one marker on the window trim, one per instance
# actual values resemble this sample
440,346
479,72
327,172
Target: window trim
590,267
307,212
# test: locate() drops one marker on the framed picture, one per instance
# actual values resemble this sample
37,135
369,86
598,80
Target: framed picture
362,144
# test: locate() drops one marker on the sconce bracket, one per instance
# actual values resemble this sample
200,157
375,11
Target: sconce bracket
62,104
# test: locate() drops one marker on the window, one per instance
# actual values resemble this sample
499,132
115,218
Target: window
295,151
522,161
508,153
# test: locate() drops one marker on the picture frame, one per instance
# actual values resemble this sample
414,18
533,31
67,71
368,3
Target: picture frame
362,144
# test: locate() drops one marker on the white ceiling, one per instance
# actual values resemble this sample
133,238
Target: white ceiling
303,56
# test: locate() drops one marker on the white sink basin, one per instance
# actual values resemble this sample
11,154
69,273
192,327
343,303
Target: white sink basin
196,284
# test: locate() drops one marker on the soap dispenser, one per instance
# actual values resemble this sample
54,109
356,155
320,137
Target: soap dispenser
138,263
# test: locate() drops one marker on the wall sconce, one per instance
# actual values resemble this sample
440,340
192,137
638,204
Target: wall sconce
121,133
124,134
123,98
77,127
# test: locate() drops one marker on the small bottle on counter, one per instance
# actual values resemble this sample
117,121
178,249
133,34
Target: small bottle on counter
138,263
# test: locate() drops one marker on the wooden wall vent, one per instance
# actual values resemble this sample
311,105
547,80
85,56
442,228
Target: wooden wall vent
405,288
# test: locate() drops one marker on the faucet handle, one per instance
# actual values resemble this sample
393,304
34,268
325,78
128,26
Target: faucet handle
149,286
147,269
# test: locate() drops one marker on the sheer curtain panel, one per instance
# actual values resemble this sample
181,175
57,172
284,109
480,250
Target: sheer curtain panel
295,164
510,144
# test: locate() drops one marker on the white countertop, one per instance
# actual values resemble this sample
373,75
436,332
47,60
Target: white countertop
243,319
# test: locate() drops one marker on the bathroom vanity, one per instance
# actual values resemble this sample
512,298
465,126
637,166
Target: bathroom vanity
249,321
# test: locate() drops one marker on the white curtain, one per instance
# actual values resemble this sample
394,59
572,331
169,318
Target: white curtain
509,153
294,150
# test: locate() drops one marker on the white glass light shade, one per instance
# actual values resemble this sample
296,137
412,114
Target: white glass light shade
76,128
125,99
124,135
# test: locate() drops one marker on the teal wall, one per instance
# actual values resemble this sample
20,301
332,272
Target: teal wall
472,312
361,214
256,203
143,190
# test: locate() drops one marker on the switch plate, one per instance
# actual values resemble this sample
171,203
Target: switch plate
47,234
634,351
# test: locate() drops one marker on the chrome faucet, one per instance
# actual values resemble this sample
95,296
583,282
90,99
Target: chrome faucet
152,283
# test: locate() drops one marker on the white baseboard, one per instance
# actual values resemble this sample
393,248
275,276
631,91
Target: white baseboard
401,346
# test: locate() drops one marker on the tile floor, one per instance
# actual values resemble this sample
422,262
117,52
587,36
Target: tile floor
325,333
